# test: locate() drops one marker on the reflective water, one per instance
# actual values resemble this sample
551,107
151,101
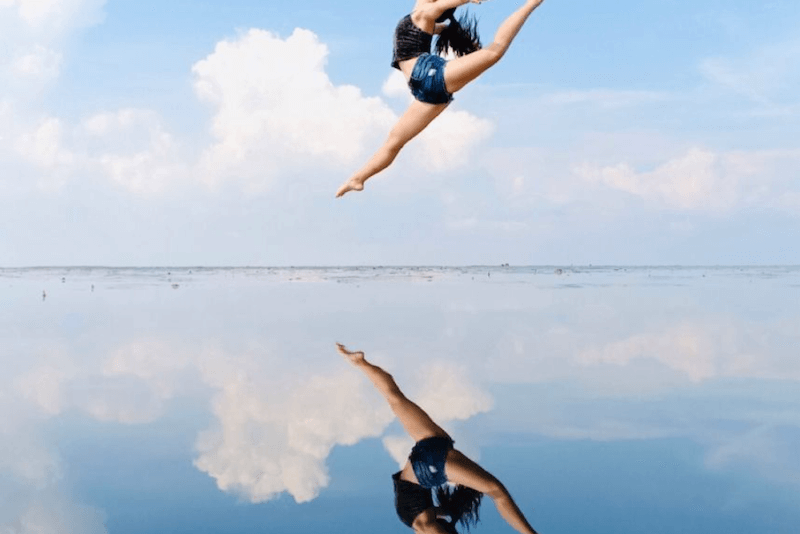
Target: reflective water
608,400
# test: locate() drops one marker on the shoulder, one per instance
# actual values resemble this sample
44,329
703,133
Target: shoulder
429,7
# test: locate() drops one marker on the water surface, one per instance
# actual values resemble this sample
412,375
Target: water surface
607,399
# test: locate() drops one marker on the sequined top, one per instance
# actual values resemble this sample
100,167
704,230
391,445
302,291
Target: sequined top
410,499
409,41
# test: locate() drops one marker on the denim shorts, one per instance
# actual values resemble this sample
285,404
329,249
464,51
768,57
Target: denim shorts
427,80
428,458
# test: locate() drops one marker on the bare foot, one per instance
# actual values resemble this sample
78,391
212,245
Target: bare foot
354,357
350,185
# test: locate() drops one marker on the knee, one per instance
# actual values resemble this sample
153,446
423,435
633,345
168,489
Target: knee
393,393
395,397
395,142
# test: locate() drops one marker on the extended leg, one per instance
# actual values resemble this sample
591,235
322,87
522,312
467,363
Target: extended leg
462,70
416,118
417,423
462,470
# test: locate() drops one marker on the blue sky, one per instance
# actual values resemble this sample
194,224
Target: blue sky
175,133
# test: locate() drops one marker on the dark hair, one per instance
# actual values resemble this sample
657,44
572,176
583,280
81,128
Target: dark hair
461,505
460,36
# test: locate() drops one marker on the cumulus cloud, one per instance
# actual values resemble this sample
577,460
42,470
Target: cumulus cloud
39,62
706,180
129,147
447,141
276,110
395,86
33,32
276,113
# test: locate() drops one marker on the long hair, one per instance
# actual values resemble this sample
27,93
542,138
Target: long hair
461,504
460,36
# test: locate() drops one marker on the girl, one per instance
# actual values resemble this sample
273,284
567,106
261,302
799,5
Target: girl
432,79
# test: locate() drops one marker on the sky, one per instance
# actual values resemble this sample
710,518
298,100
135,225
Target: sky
216,133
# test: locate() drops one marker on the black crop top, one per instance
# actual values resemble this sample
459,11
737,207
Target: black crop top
409,41
410,499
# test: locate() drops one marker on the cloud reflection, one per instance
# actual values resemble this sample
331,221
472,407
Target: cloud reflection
603,367
272,438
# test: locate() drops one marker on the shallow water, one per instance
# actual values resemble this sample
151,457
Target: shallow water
607,399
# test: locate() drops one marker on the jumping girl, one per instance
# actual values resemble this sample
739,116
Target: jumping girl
432,79
433,464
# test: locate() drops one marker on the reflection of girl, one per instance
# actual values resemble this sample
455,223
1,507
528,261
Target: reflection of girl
432,464
432,80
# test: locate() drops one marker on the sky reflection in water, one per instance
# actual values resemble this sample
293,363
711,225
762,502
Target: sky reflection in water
213,400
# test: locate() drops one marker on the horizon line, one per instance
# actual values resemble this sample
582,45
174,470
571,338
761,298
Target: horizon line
418,266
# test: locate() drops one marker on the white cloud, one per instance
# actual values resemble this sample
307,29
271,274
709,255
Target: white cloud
768,74
44,147
396,86
40,62
277,111
706,180
55,15
689,182
447,142
33,34
276,108
129,147
133,149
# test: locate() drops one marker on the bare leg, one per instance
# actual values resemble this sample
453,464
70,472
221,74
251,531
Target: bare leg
413,418
462,70
415,119
462,470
